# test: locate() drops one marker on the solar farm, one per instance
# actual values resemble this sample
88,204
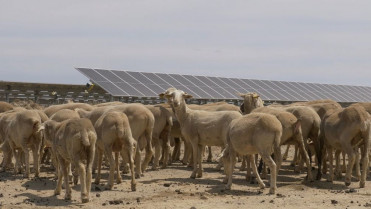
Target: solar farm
174,170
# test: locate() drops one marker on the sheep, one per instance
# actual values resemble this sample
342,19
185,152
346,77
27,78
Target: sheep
217,106
163,124
345,130
64,114
73,141
199,127
49,111
141,123
255,133
291,132
24,132
4,106
114,135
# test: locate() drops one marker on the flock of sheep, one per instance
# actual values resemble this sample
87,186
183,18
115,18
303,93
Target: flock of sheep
76,135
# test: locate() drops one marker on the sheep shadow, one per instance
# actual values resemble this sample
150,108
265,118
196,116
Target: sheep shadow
46,201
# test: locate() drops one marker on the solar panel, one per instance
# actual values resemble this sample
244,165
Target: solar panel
144,84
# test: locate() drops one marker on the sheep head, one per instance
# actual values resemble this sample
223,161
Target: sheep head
175,96
251,101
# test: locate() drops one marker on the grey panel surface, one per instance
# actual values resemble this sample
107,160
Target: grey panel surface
111,88
143,84
92,74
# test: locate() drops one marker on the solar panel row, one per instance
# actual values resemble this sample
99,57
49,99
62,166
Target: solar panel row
144,84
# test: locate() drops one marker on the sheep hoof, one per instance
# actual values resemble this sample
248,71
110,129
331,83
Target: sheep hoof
108,187
85,200
96,181
67,197
262,186
347,183
137,176
272,190
228,187
133,187
57,192
199,175
362,184
193,176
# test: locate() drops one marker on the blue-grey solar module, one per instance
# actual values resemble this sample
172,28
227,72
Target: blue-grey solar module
143,84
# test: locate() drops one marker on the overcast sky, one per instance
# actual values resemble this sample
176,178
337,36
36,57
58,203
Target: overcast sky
325,41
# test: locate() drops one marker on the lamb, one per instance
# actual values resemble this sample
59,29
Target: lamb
255,133
73,141
344,130
199,127
114,135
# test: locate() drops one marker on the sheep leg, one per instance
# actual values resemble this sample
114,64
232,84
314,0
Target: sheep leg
229,166
293,162
149,150
89,168
338,172
284,157
82,172
58,189
247,160
210,156
36,160
108,153
305,156
176,152
157,153
255,171
64,168
166,148
344,168
200,169
351,159
26,151
130,154
195,159
273,168
138,170
95,164
98,163
117,166
365,161
243,164
358,167
330,177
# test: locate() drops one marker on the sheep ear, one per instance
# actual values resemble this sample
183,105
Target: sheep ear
187,96
255,95
241,95
162,95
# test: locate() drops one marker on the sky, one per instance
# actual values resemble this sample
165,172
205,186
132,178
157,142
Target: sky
318,41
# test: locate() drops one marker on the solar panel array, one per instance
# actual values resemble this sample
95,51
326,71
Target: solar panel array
144,84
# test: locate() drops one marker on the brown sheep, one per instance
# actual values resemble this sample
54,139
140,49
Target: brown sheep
255,133
199,127
344,130
114,135
73,142
23,133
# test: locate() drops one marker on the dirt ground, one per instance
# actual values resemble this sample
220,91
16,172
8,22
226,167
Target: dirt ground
172,188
